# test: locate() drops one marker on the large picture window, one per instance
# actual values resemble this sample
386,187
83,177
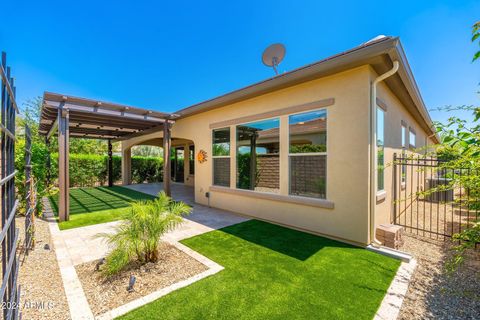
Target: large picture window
308,154
380,149
258,162
221,157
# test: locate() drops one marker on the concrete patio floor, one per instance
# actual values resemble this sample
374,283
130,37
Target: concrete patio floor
180,191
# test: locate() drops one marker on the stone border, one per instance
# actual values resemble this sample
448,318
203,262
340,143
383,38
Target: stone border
77,301
392,302
213,268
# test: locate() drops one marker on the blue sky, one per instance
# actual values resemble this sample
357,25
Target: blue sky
167,56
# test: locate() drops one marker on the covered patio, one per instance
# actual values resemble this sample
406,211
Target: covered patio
66,116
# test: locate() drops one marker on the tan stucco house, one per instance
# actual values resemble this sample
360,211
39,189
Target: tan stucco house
308,148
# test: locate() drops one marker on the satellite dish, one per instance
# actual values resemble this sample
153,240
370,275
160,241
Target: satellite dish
273,55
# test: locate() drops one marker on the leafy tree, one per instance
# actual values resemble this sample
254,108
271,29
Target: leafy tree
461,148
147,151
475,38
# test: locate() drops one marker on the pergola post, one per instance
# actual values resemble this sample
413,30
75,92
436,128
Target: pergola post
48,162
167,143
63,154
110,164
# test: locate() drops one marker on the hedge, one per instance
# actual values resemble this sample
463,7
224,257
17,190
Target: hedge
92,170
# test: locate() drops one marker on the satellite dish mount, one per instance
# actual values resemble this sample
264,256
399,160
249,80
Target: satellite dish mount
273,56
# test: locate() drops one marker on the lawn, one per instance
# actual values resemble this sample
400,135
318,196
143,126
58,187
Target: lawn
90,206
273,272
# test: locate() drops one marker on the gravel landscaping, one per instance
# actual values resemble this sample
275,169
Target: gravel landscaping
435,294
42,294
107,294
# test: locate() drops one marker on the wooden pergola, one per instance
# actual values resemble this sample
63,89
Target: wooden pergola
67,116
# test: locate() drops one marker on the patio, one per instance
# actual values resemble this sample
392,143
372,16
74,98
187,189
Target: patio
180,191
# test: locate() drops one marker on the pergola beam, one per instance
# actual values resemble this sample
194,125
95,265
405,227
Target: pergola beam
108,112
53,129
96,119
143,132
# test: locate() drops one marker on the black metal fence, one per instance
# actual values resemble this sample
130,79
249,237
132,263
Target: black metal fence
31,195
429,198
9,291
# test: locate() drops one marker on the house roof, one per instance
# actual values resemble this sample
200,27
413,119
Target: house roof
379,53
111,122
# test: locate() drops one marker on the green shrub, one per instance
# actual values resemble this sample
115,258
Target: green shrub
91,170
137,238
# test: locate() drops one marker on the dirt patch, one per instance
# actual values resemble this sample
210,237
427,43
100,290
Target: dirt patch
433,293
107,294
42,294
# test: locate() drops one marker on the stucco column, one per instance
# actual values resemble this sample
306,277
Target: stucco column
284,161
126,166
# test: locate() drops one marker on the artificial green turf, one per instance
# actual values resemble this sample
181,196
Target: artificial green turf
273,272
90,206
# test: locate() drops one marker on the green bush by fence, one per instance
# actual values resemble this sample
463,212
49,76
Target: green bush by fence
91,170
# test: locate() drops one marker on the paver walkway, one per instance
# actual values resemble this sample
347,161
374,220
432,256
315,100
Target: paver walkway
83,246
79,245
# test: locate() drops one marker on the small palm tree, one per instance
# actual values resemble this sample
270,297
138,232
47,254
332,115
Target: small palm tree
138,236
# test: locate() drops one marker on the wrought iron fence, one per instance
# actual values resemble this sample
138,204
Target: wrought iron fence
10,290
30,194
429,198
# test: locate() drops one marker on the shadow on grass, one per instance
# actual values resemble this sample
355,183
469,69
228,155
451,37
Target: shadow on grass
89,200
293,243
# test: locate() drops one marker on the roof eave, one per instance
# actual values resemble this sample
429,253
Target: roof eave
406,75
331,65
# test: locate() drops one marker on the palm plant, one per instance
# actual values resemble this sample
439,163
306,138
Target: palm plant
137,238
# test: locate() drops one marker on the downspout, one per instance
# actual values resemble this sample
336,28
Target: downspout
373,149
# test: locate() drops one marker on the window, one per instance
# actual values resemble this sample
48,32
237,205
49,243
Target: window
380,149
221,157
258,161
412,137
191,160
308,154
404,146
